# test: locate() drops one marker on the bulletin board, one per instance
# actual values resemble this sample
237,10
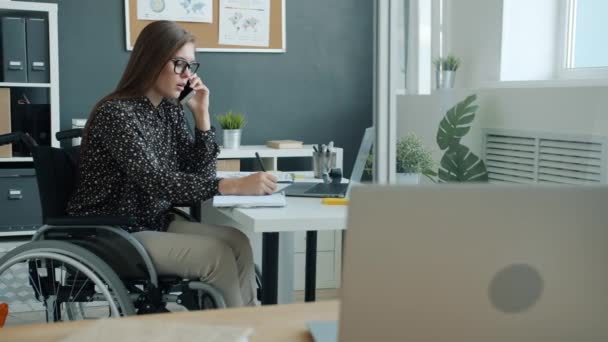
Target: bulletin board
207,34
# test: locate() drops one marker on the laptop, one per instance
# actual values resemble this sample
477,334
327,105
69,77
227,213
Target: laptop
476,263
340,190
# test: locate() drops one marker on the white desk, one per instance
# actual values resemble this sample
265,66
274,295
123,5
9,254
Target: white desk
300,214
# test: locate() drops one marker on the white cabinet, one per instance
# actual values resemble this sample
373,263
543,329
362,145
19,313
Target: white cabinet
329,243
329,259
29,102
33,106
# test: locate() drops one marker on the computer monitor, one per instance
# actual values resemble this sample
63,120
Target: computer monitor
476,263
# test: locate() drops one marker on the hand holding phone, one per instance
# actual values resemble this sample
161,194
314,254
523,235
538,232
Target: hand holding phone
186,94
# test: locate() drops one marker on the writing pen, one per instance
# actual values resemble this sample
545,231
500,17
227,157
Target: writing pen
257,156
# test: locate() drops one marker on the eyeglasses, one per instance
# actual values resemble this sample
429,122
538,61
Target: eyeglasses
180,65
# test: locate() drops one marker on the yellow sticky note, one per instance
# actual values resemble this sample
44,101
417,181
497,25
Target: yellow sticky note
335,201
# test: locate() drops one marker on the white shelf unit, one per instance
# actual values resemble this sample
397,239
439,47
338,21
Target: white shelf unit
49,12
329,243
9,230
24,85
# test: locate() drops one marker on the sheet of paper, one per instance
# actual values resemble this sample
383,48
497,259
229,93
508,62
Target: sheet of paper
282,177
148,330
200,11
244,22
274,200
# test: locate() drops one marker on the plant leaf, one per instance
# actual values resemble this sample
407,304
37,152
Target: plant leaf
456,123
459,164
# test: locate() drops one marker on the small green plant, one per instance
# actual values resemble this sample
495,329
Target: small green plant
412,157
231,120
449,63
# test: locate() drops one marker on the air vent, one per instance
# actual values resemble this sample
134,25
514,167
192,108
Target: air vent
510,159
534,157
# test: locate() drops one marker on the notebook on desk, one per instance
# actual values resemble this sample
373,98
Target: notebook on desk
274,200
282,177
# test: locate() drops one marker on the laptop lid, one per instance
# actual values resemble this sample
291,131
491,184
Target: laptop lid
364,151
476,263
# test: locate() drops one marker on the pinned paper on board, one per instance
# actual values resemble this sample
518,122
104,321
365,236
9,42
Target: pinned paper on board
244,22
200,11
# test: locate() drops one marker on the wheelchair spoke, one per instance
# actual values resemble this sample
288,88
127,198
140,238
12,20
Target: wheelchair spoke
81,287
38,289
55,291
72,289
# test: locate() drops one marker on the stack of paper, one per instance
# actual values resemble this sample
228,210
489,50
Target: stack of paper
274,200
282,177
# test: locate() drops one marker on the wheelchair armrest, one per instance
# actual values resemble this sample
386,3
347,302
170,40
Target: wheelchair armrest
91,221
182,214
69,133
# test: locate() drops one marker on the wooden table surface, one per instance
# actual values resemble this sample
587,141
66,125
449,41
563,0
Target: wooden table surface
270,323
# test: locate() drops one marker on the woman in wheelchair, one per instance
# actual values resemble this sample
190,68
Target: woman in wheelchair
138,159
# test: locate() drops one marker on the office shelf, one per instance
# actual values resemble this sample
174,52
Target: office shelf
24,85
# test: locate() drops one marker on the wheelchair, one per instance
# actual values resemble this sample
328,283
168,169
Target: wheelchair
79,268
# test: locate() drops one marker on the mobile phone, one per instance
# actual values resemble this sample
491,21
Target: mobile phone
186,94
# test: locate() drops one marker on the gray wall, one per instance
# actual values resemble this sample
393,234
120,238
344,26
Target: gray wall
320,90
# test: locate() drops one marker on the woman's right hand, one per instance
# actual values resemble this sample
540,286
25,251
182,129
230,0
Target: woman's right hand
260,183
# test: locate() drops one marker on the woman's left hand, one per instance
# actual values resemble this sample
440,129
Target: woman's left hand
199,103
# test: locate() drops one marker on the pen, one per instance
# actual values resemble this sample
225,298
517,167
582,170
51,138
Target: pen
257,156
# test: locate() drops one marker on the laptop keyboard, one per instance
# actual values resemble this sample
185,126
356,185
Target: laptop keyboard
331,188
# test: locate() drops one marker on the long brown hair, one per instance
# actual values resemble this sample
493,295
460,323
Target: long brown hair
154,47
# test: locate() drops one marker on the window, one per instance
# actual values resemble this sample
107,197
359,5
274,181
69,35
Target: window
586,33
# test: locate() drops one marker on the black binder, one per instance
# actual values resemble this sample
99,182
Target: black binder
37,33
13,49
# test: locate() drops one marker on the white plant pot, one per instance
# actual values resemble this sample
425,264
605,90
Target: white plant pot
408,178
232,138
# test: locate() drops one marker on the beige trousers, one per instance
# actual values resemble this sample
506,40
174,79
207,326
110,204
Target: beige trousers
217,255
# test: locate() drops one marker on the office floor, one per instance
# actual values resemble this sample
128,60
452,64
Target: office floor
31,318
322,294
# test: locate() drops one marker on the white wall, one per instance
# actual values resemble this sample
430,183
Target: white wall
580,111
570,110
473,33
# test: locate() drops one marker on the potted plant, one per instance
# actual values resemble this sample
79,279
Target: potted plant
413,160
232,124
458,163
445,71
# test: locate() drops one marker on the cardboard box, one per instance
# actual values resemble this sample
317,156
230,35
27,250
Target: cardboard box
6,151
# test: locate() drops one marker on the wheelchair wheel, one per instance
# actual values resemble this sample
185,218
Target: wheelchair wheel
50,281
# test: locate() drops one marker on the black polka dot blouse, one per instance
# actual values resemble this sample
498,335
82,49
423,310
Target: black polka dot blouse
140,161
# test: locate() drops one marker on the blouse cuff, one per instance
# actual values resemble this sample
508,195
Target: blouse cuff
207,138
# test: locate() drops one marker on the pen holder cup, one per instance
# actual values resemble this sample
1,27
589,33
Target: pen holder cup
323,162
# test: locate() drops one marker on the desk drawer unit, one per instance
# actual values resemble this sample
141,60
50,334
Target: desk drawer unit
19,202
